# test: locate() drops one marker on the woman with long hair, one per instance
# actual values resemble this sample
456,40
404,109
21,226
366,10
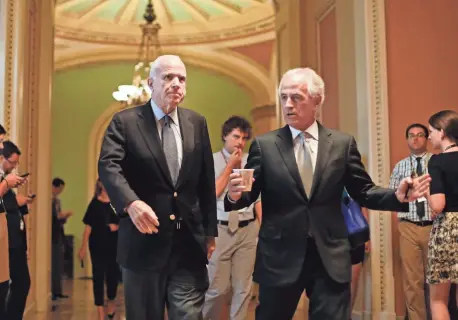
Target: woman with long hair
101,232
443,200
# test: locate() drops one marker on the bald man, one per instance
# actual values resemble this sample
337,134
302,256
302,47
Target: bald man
156,164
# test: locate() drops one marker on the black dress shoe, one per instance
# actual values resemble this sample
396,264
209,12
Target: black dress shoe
59,296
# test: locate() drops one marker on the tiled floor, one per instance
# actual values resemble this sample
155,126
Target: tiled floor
80,305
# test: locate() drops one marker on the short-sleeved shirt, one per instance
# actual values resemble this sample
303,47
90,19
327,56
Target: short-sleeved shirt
443,170
219,159
98,216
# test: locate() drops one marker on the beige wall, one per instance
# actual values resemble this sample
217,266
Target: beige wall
422,51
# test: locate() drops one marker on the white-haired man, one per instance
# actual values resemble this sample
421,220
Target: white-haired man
156,164
301,171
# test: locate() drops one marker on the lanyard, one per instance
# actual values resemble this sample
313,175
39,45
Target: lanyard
224,156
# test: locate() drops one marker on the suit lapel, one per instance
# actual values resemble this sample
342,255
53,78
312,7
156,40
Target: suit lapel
187,132
148,128
284,144
324,149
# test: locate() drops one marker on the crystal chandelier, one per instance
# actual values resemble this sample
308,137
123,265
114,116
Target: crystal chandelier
138,92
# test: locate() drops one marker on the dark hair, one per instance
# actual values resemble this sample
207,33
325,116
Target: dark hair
57,182
236,122
417,125
9,148
2,130
446,120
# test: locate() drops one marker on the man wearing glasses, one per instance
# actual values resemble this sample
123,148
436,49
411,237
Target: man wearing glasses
415,225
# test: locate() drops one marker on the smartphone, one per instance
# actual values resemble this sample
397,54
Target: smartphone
24,175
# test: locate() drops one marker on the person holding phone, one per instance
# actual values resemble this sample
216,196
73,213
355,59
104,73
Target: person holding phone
59,218
101,232
6,183
17,238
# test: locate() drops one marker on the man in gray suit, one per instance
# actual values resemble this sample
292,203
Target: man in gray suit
301,170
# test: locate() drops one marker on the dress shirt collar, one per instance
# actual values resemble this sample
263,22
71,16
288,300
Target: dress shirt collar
414,157
226,153
312,130
159,114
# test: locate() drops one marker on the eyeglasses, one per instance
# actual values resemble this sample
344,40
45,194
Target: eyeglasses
418,135
14,163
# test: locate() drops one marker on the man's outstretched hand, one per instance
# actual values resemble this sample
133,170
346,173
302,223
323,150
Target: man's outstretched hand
412,189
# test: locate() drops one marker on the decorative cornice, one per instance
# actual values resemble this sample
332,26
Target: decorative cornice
254,28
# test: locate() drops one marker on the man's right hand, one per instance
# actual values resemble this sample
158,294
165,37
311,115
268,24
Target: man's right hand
235,161
14,180
143,217
235,188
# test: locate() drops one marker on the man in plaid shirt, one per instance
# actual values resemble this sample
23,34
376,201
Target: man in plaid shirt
415,225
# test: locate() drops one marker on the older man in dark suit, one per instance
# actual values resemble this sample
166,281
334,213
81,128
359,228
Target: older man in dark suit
156,164
301,171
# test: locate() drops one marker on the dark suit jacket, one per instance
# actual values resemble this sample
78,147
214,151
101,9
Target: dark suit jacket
133,166
287,213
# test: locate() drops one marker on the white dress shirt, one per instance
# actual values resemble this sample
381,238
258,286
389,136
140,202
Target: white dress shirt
175,125
311,142
219,160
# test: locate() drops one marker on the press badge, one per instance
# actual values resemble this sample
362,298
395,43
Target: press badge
21,225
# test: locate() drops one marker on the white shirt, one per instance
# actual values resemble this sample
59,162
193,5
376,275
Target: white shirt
219,161
311,143
175,125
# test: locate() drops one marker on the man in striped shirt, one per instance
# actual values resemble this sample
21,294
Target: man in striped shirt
415,225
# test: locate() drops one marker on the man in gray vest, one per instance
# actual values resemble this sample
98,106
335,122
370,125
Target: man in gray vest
231,266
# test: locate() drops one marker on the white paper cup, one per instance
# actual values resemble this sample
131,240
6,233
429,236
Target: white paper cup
247,177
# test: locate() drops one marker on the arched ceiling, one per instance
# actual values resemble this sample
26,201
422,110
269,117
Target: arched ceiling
182,21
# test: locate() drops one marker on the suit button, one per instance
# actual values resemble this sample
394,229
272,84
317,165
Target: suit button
172,217
175,194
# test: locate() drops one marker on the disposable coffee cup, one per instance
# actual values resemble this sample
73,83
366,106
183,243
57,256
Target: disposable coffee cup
247,177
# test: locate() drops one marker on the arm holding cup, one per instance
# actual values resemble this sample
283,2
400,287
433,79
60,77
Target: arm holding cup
237,196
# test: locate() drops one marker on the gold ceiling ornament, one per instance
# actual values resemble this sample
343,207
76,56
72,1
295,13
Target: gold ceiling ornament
139,92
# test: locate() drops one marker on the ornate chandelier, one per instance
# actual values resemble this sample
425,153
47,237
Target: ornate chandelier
138,92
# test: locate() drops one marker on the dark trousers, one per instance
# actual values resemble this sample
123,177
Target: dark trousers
329,300
20,284
180,286
4,286
104,268
57,262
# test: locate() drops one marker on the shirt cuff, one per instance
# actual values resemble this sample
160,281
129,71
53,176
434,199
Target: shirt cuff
230,200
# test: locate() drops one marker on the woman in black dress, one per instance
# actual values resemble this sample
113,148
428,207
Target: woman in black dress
102,232
443,200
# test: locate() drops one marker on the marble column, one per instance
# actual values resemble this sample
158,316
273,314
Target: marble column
26,54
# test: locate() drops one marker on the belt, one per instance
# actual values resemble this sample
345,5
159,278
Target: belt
419,223
242,224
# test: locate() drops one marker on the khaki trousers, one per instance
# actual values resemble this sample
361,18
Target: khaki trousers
414,258
230,270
